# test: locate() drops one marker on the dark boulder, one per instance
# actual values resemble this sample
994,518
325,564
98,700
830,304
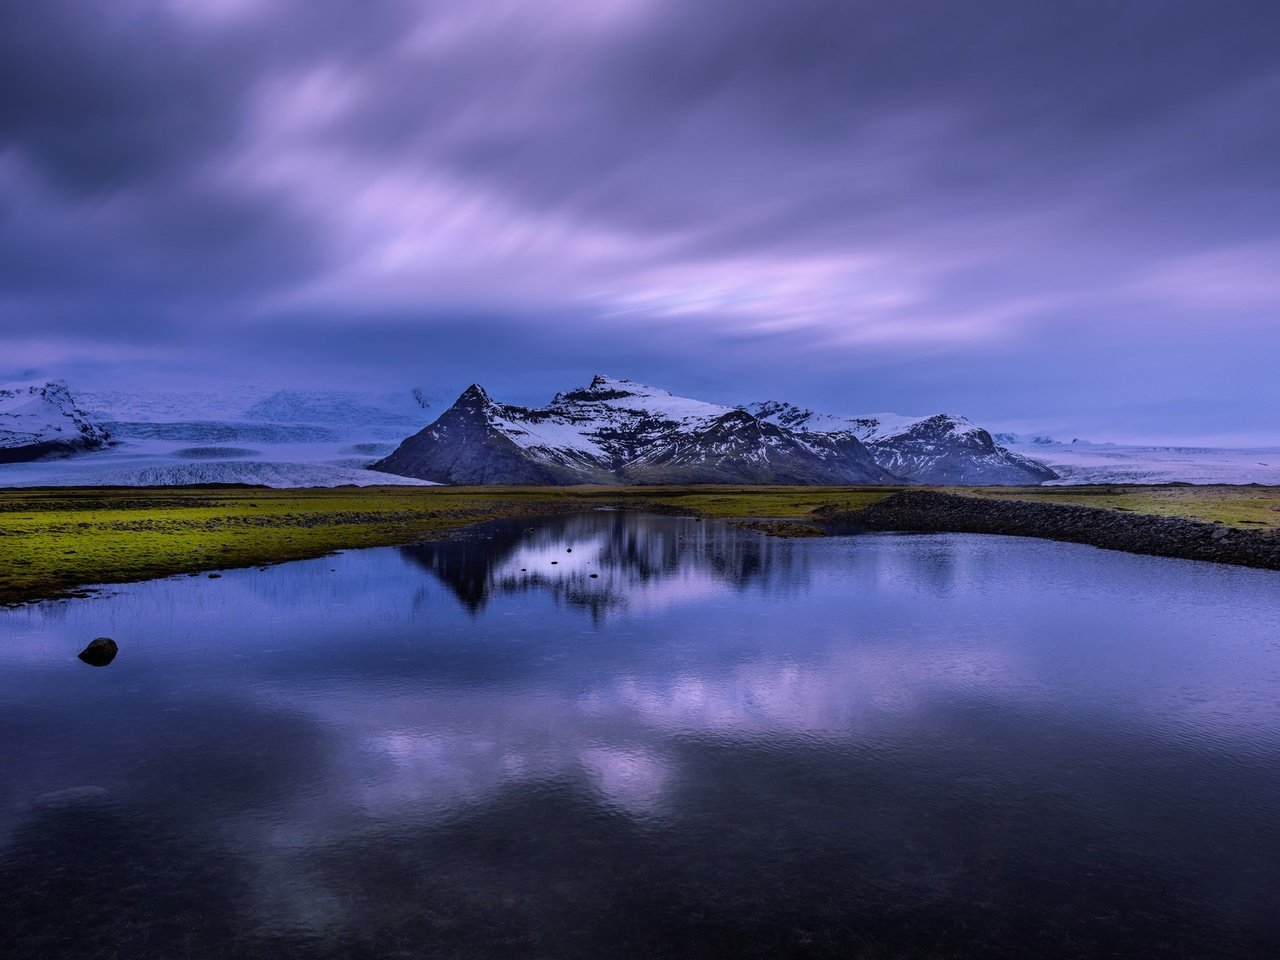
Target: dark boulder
99,652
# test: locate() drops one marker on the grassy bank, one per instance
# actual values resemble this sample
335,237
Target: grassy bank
54,541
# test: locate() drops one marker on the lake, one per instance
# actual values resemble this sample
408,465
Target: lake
616,735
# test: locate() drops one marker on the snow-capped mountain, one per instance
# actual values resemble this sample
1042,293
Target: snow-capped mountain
615,431
41,420
941,449
241,434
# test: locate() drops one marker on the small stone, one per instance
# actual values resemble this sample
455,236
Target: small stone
215,576
595,576
99,652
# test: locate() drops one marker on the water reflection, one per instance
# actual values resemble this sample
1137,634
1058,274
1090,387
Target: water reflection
912,745
607,560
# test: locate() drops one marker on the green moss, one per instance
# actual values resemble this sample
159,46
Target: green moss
54,541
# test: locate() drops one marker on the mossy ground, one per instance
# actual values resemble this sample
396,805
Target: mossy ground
53,541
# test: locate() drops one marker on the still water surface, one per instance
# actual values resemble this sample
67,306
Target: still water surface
718,745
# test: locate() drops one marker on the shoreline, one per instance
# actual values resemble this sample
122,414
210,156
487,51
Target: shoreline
928,511
57,543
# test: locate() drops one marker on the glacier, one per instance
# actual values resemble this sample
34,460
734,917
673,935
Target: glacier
246,435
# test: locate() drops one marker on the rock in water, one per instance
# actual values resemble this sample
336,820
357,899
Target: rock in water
99,652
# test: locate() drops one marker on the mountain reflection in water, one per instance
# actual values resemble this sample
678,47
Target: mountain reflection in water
630,555
722,745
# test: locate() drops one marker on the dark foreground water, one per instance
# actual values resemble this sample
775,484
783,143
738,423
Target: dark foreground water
721,745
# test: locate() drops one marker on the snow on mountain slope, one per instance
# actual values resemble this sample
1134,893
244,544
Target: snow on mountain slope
478,440
942,449
39,420
866,427
873,426
1022,456
321,438
951,450
615,430
739,448
608,419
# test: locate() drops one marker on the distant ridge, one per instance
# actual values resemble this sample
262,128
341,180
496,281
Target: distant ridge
618,431
940,449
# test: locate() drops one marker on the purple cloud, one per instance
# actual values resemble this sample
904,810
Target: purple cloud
1012,210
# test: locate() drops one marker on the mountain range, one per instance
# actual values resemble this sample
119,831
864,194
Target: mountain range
610,431
618,431
941,449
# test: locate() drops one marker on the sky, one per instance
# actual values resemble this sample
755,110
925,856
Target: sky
1059,216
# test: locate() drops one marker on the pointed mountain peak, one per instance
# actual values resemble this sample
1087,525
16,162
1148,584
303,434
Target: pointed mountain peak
475,400
943,424
474,394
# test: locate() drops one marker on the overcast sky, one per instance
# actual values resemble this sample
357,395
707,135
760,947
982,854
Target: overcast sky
1044,215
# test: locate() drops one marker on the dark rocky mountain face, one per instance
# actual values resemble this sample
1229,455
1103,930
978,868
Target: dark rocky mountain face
738,448
616,431
942,449
468,444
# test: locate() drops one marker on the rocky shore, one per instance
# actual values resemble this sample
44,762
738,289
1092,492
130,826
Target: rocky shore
929,512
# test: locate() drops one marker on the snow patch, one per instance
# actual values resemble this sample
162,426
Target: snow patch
36,414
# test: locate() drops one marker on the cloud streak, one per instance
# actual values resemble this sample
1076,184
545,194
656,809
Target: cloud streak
914,204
